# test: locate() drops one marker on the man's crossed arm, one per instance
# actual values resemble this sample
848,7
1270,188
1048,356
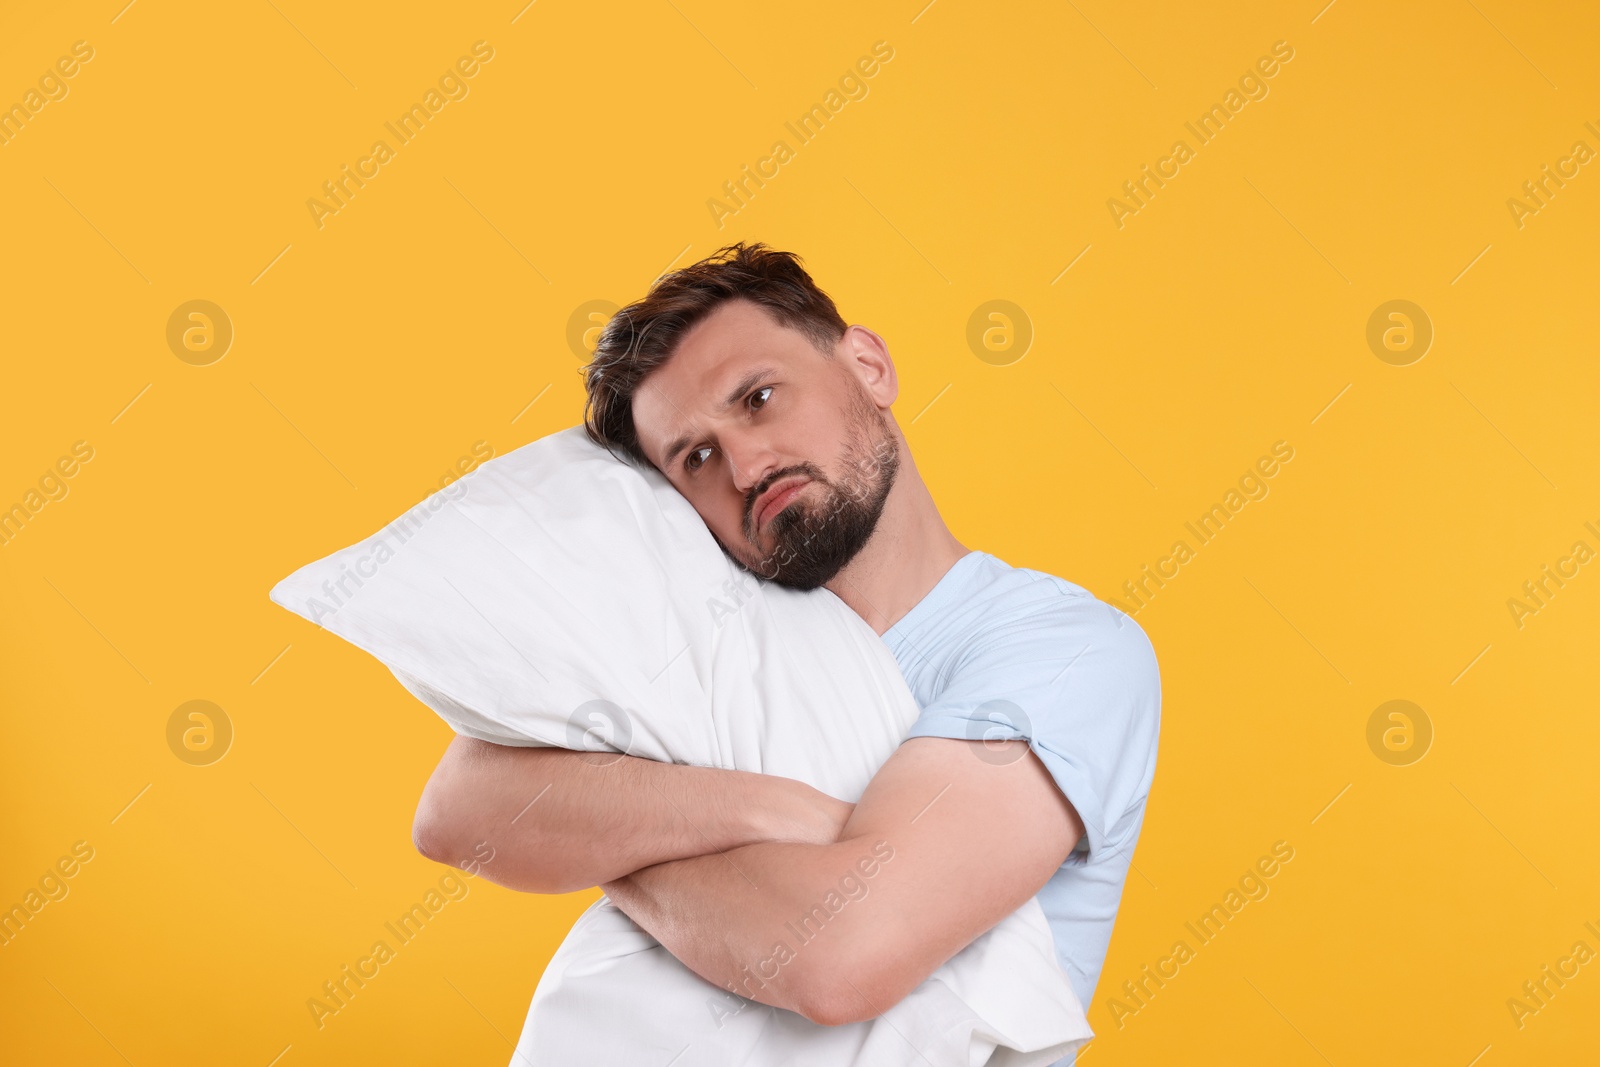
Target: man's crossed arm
758,883
561,821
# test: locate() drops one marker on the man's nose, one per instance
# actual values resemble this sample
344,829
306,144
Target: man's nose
750,461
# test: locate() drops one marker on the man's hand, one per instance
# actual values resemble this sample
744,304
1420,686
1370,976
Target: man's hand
560,821
949,838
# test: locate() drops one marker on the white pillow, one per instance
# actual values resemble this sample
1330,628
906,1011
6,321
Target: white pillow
560,596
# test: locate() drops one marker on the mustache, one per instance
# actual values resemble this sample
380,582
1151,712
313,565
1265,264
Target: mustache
809,470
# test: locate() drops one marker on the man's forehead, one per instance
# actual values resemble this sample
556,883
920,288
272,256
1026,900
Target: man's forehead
713,358
734,329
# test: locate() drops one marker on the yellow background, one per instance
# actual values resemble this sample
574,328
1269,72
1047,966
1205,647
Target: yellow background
372,353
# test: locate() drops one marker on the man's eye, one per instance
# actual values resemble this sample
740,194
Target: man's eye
692,461
757,399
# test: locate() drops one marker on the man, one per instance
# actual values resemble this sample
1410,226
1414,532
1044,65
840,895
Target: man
1026,773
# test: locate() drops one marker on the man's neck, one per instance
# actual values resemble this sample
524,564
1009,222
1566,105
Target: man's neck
909,551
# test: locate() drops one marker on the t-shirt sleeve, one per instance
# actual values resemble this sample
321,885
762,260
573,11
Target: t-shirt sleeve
1078,680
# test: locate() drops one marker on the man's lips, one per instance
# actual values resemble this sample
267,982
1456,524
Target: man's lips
775,498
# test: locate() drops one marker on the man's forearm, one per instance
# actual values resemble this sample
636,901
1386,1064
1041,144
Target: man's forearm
942,846
767,903
560,821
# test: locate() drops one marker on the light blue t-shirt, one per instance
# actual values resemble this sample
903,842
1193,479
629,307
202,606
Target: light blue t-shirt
999,652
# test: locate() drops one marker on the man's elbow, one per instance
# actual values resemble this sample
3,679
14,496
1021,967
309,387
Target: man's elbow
444,829
438,829
448,829
832,1009
841,990
434,833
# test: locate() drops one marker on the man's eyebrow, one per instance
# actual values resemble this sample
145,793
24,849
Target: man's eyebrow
747,383
744,385
674,448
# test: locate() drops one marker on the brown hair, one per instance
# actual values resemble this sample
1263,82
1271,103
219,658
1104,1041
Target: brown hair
641,337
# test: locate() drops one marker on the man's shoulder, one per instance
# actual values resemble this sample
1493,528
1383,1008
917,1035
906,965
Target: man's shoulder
1045,659
1025,600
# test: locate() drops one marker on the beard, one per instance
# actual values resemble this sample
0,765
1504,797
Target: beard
811,544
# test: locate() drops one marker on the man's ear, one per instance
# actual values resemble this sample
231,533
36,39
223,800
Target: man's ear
867,356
